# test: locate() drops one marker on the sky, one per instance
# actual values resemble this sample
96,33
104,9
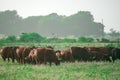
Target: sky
106,10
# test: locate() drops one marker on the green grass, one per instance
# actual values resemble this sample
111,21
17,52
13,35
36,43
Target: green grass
66,71
59,45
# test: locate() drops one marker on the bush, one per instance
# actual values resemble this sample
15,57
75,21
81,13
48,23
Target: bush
11,38
31,37
105,40
84,39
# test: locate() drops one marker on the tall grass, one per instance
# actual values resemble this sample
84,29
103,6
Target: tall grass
66,71
61,45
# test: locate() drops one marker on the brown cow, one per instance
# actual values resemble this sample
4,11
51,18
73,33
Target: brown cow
67,56
79,54
58,54
94,53
19,52
99,53
43,55
107,53
32,58
13,51
49,56
8,52
4,52
23,52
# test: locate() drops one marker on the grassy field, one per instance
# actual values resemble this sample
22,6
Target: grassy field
61,45
66,71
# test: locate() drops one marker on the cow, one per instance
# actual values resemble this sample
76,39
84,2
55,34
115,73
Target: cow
9,52
115,54
23,52
106,51
58,54
4,52
19,52
32,58
99,53
49,56
50,47
42,55
66,56
13,51
79,54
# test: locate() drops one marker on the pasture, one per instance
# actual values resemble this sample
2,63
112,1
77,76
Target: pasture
65,71
61,45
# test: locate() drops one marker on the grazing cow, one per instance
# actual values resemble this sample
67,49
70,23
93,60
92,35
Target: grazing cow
58,54
26,52
8,52
42,55
32,58
79,54
49,56
23,52
99,53
66,55
95,55
13,52
4,52
115,54
19,52
106,51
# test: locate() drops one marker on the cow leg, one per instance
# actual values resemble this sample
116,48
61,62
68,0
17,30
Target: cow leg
113,59
50,63
4,59
13,60
18,60
45,61
8,59
36,61
21,61
107,58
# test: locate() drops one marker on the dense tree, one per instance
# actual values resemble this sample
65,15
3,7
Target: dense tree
79,24
11,38
10,22
85,39
31,37
113,33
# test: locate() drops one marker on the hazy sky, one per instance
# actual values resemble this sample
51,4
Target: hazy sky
108,10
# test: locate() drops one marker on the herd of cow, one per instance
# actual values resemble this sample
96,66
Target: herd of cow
44,55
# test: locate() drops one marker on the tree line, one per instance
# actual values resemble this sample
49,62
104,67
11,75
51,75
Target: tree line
79,24
35,37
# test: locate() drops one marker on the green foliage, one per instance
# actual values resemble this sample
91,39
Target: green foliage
69,40
85,39
105,40
113,33
53,40
11,38
31,37
113,45
59,40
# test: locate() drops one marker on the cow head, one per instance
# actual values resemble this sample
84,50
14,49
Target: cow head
27,60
